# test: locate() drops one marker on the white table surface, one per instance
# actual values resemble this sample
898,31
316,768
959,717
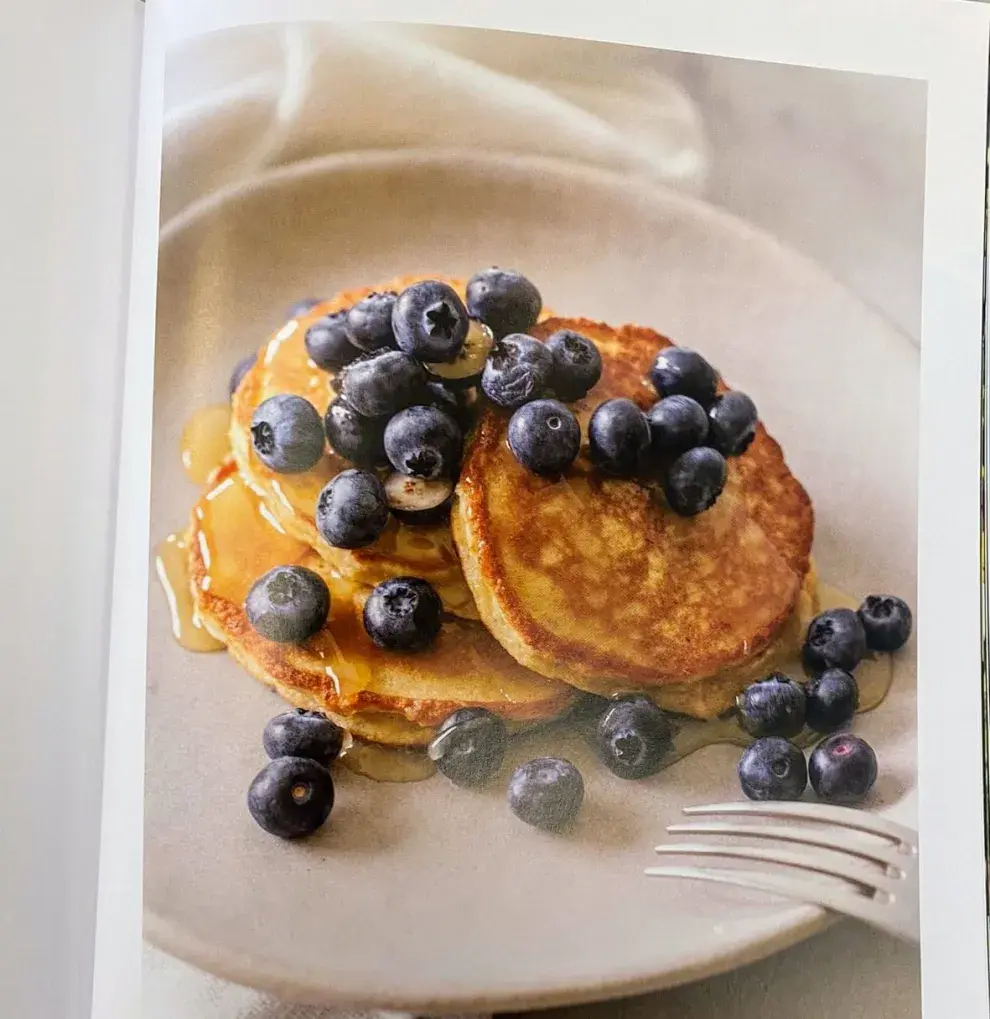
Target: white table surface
851,198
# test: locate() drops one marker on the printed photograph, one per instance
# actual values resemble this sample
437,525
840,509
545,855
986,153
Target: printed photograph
533,515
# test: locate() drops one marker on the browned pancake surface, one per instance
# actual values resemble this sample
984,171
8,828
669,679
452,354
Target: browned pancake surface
588,578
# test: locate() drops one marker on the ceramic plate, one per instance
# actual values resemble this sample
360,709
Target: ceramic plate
425,896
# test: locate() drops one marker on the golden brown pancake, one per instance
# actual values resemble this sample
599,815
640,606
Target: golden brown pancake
595,581
283,366
386,696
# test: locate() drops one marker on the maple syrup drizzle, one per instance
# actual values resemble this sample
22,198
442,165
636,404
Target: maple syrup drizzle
171,564
286,368
205,442
387,764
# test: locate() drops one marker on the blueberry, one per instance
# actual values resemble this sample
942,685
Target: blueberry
544,437
418,501
773,768
518,370
774,706
403,614
302,733
291,797
327,343
586,713
424,442
732,423
695,481
436,394
618,437
577,365
287,434
240,370
678,371
835,640
677,424
301,307
887,622
430,321
469,746
288,604
833,698
505,301
354,437
382,384
634,736
546,793
842,768
352,509
369,322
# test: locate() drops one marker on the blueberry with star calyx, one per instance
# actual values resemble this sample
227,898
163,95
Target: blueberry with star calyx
835,640
577,364
430,321
887,622
287,434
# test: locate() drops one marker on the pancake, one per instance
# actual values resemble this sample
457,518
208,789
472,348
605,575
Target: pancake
714,695
283,366
385,696
595,581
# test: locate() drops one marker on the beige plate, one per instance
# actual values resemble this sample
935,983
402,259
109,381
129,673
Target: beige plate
426,896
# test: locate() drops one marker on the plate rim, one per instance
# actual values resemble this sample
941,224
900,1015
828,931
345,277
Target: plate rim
642,185
241,969
794,922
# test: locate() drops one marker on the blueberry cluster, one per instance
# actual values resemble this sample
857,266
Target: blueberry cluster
469,749
683,439
693,429
293,794
405,366
842,767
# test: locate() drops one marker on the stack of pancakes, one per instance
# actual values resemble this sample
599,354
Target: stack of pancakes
550,586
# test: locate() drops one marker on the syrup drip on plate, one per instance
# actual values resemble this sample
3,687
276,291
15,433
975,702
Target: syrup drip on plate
171,564
387,764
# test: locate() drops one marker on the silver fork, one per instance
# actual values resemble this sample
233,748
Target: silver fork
878,879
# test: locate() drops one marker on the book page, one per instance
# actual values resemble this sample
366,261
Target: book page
68,84
541,452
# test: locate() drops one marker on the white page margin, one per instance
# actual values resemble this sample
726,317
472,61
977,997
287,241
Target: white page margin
943,41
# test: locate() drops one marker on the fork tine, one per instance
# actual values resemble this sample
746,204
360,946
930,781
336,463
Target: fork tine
831,866
844,817
850,903
885,855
